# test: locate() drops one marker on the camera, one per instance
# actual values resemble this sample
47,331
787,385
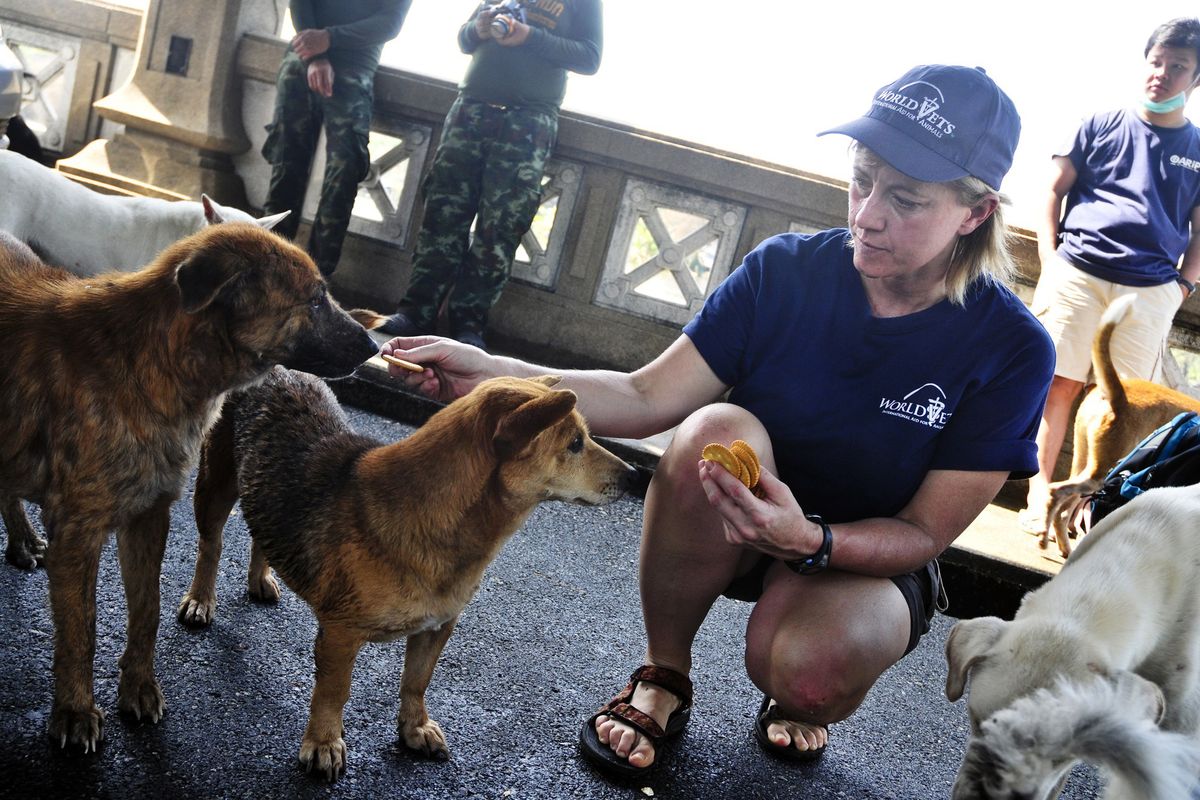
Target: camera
506,13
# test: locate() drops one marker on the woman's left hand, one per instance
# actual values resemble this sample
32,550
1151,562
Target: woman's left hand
773,524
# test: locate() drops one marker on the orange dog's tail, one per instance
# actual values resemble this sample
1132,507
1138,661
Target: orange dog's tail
1107,380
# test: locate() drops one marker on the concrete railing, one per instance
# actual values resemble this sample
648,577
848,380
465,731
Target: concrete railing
75,53
634,230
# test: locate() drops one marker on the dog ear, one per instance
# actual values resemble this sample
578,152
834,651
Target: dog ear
212,210
201,277
268,223
518,428
969,641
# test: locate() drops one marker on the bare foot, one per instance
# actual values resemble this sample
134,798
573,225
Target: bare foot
804,735
627,742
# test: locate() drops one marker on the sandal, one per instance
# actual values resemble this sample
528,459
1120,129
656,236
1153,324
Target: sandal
767,714
619,708
1031,522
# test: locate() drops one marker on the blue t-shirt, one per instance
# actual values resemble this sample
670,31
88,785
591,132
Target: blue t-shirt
1127,216
860,408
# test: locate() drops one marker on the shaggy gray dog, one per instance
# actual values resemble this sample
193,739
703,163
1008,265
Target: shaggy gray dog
1102,664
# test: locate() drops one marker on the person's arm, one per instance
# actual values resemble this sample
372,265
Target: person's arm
580,53
1189,267
946,502
1062,178
477,29
304,16
380,27
626,404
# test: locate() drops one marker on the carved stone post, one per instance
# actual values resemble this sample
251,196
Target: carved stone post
182,105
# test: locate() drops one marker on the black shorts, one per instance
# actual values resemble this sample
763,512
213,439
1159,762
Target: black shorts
922,591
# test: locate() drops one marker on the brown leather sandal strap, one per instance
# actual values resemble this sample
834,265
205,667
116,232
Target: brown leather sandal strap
674,682
643,722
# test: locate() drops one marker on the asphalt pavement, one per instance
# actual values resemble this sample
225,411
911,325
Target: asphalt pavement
554,631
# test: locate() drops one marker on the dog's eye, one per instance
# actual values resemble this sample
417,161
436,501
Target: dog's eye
576,444
317,301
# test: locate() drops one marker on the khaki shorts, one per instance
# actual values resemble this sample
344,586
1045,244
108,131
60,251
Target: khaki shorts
1069,303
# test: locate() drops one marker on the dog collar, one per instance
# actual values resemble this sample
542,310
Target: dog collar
818,561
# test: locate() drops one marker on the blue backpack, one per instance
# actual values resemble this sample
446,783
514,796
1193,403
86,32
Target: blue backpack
1170,456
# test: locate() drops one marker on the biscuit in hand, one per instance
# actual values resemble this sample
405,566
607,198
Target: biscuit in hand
739,459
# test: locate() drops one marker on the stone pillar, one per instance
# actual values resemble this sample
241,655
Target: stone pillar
182,105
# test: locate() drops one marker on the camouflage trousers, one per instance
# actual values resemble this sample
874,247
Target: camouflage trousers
292,141
488,167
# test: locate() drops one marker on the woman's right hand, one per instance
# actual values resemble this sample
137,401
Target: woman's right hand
451,369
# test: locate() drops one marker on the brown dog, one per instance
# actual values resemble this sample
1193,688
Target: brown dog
107,387
385,541
1114,416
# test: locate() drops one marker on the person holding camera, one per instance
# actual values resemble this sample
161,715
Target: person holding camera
889,383
489,164
327,78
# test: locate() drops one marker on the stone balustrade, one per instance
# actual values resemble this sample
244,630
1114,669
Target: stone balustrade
635,228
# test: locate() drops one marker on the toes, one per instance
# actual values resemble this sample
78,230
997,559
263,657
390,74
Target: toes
798,734
625,742
642,754
801,736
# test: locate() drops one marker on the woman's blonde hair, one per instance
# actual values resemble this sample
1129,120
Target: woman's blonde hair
981,255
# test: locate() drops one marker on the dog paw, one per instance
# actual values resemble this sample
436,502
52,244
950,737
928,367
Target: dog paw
27,555
426,739
327,758
142,699
264,588
71,727
195,612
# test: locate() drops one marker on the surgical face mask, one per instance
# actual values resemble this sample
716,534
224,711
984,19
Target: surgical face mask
1167,106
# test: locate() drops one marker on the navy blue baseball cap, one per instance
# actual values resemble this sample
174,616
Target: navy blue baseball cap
941,123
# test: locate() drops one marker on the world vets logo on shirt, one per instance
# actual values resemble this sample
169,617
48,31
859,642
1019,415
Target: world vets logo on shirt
925,405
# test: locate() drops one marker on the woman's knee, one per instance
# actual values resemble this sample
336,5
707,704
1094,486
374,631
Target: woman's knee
819,683
718,422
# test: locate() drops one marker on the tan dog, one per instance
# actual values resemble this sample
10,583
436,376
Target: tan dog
385,541
107,387
1113,418
1100,664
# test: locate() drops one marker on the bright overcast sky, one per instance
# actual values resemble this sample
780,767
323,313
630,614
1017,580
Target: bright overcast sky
761,78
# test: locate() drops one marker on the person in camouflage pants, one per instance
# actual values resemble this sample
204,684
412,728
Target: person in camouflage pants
489,163
490,159
327,78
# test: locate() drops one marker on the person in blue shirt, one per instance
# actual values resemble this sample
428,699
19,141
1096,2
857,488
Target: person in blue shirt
1131,184
888,381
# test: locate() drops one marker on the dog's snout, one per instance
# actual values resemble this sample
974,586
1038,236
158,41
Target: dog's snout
627,480
366,346
332,347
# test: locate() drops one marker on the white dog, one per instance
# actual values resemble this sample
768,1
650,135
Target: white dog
86,232
1102,664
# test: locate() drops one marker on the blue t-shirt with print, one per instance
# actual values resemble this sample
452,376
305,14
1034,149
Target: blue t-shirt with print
860,408
1127,215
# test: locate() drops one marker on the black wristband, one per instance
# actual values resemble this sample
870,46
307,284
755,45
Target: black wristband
818,561
1185,283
